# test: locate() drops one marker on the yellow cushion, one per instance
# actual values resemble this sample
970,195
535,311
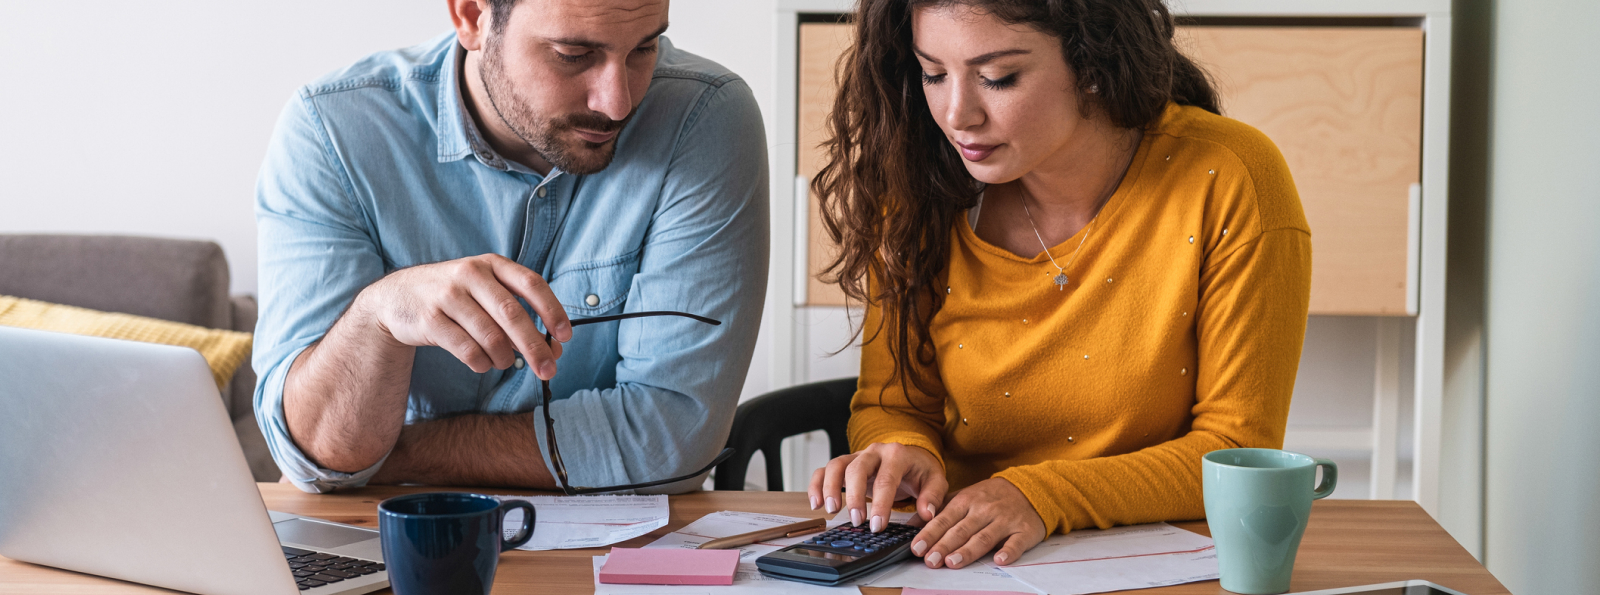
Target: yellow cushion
224,350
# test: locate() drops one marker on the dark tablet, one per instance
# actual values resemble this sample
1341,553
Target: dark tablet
1397,588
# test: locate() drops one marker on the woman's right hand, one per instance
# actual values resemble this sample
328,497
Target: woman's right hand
888,472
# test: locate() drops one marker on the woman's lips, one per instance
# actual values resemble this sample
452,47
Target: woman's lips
976,152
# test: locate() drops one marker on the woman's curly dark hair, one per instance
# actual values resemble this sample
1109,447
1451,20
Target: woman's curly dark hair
893,186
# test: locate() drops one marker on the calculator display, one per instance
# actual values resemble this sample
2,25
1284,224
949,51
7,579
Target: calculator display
825,555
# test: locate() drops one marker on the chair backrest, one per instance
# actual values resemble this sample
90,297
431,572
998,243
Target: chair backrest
762,423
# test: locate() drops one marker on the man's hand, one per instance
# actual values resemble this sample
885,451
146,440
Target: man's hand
469,307
345,396
989,513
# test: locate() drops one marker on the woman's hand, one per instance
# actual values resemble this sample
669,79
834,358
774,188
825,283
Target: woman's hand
989,513
887,471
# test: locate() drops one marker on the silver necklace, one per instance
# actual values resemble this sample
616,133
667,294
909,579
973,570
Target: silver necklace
1061,271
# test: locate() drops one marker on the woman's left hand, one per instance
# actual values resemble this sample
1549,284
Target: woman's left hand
989,513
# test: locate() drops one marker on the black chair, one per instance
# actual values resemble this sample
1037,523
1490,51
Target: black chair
763,422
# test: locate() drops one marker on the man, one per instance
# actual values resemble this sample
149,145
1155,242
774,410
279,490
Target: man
426,215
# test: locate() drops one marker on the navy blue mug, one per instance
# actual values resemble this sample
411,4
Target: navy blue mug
446,542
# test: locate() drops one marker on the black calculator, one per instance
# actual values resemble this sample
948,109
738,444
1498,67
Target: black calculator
839,554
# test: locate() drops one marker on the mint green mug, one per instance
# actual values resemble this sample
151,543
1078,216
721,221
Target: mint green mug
1257,503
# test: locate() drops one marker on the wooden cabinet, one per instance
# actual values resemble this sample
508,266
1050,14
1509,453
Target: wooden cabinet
821,45
1344,104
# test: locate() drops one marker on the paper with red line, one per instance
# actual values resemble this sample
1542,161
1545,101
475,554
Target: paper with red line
569,522
1116,559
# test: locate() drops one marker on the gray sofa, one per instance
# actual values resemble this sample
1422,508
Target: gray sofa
178,280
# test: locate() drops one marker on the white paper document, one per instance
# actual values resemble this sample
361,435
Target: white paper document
727,524
568,522
1116,559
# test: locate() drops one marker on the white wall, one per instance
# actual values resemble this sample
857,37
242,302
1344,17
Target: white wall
151,117
1542,525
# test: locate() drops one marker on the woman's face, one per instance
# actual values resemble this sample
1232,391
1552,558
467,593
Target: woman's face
1003,94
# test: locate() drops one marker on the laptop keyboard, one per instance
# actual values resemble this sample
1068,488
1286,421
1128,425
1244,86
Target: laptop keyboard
315,569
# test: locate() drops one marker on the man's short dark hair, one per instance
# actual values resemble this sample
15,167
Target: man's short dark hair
499,14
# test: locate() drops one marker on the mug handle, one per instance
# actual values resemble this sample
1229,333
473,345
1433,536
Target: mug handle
526,533
1330,479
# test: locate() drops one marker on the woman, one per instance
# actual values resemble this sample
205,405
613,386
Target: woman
1079,277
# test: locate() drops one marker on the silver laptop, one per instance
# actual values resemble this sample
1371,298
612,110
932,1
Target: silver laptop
118,459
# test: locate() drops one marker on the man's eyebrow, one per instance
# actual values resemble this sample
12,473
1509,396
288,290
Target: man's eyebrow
601,46
658,33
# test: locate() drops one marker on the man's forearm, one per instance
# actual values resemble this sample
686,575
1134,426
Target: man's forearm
345,395
475,450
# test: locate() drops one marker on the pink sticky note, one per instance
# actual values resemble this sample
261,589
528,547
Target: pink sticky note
915,591
669,566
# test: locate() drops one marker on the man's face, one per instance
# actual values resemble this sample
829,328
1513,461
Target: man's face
566,75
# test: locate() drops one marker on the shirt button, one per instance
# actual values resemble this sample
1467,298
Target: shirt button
592,300
541,192
519,363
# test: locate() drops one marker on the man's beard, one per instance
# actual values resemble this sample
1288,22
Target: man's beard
552,138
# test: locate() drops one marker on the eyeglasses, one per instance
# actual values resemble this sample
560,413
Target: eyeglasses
550,422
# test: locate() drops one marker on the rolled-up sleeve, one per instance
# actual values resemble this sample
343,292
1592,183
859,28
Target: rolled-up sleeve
678,380
316,254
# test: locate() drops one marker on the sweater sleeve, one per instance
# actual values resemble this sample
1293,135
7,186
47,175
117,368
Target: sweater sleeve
883,410
1251,323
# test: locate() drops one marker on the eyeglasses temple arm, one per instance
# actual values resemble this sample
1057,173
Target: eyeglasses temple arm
626,315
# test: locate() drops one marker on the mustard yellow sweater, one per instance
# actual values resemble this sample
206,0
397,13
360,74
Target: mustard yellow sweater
1179,334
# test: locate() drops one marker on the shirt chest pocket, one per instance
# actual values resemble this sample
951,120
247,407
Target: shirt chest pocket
596,287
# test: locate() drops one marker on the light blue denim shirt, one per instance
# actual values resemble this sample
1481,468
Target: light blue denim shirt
378,167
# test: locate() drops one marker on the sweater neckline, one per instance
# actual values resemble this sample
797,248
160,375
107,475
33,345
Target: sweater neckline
1108,213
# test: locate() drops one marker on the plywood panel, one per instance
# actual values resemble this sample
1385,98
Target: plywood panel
1344,104
1345,107
821,44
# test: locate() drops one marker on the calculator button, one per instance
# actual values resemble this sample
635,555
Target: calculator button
871,549
843,543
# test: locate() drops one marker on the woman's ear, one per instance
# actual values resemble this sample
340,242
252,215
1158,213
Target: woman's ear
472,20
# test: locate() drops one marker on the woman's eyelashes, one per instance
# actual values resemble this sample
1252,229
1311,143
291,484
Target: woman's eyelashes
1004,82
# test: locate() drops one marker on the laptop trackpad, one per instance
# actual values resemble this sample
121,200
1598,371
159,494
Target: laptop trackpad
321,535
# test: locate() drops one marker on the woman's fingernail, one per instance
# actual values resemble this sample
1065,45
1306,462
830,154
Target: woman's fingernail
877,523
1001,558
930,510
833,505
933,559
813,503
855,517
916,548
953,561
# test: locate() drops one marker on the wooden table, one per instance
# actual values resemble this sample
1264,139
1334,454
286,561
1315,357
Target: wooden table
1348,542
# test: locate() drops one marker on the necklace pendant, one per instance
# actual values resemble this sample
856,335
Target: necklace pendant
1061,281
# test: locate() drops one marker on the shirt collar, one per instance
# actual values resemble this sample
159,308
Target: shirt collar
458,133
